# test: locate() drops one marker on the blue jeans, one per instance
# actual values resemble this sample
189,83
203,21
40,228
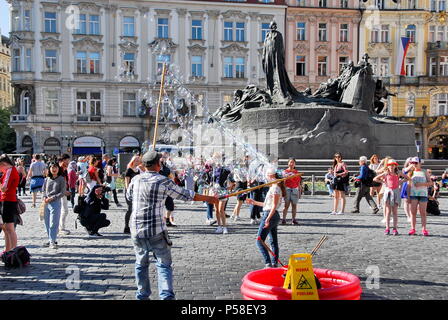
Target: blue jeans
52,216
272,232
210,211
162,253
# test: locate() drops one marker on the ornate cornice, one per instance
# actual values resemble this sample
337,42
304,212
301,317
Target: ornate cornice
234,14
197,49
50,42
212,13
88,44
159,43
234,48
127,45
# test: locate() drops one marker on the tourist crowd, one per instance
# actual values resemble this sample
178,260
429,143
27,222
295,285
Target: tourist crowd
153,181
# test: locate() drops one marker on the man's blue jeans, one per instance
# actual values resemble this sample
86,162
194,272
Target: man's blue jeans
162,253
272,232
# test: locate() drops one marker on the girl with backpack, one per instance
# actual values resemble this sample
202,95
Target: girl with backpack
54,189
392,196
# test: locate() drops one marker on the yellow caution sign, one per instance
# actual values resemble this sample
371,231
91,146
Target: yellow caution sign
300,277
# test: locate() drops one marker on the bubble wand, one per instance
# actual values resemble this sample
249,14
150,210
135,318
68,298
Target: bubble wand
260,186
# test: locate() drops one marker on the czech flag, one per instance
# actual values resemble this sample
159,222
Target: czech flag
401,56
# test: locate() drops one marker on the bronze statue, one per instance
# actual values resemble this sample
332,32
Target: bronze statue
277,80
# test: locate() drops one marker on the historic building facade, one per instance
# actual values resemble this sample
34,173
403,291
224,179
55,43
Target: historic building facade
321,37
79,68
421,94
6,96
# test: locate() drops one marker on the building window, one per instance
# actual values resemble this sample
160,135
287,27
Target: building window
228,67
344,4
196,66
375,35
81,62
432,66
129,104
342,63
322,3
162,28
264,31
438,5
94,62
379,4
27,20
322,66
228,31
322,32
196,29
432,33
385,33
441,104
410,32
301,31
15,20
52,102
128,27
161,59
239,31
95,106
412,4
301,3
129,62
410,67
300,66
81,106
28,59
16,60
82,24
50,61
443,66
343,32
94,24
384,67
239,67
50,22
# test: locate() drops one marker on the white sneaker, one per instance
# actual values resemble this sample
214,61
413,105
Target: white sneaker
219,230
252,221
339,212
64,232
54,245
236,219
225,231
211,222
333,213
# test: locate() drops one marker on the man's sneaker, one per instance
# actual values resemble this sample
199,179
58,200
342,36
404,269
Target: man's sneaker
395,232
119,205
168,222
411,232
252,221
218,230
64,232
98,235
283,221
54,245
92,234
211,222
267,266
225,231
295,222
354,211
425,233
387,231
375,211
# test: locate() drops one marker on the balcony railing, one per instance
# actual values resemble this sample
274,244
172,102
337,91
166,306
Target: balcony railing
438,45
20,118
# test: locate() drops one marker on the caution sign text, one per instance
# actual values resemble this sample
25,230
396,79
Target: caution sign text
300,277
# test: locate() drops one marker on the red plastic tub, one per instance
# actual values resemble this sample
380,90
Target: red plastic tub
267,284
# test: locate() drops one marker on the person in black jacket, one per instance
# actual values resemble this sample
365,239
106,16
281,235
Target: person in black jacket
92,218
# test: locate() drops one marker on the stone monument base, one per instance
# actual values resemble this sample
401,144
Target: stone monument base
317,132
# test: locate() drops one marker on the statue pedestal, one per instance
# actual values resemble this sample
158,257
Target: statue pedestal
318,132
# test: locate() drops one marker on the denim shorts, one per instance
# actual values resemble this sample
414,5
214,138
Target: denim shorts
419,198
292,195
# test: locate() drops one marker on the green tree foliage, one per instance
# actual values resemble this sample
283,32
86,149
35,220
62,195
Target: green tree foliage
7,135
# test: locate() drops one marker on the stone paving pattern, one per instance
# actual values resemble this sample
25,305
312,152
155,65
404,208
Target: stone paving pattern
211,266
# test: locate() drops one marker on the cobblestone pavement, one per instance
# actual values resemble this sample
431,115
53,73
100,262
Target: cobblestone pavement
211,266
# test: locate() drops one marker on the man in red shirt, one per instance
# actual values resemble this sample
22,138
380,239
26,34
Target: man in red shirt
8,200
293,191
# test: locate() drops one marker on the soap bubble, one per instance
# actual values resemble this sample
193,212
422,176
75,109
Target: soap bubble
363,140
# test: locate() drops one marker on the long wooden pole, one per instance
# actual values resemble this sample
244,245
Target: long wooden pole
260,186
162,86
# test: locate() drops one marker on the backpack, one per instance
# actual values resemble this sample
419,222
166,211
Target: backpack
79,209
368,181
16,258
21,207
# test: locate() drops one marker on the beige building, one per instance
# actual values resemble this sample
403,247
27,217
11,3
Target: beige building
6,96
78,67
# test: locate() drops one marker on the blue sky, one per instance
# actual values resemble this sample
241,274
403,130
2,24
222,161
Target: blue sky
4,17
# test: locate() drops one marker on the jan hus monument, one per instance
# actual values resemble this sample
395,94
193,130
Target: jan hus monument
342,115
